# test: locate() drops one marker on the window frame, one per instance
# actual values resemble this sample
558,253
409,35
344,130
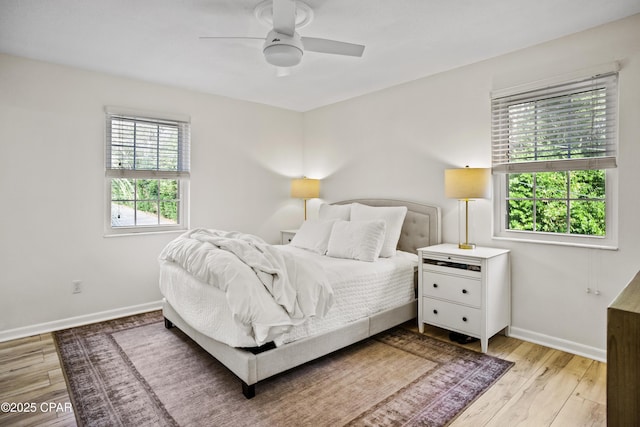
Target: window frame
502,169
181,175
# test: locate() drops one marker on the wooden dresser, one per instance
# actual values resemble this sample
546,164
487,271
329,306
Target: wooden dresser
623,357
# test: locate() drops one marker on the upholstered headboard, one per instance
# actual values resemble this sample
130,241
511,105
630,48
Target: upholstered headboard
422,225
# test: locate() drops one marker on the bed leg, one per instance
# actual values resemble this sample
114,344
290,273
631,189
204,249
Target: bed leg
168,323
249,391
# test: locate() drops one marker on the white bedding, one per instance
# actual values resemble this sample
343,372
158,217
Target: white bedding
359,289
266,289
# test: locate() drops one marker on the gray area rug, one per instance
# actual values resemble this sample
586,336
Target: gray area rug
134,372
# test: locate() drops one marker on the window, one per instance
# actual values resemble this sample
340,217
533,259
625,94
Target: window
554,158
147,171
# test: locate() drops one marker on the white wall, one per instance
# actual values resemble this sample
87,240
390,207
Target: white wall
396,143
52,186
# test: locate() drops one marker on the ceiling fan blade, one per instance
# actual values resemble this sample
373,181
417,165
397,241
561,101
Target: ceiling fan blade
331,46
231,38
284,16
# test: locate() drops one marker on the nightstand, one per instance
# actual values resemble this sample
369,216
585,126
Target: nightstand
286,236
465,290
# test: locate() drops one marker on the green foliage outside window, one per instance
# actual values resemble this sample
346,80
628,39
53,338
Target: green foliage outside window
571,202
151,196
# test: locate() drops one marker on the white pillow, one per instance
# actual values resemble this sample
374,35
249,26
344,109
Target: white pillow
393,216
313,235
342,212
361,240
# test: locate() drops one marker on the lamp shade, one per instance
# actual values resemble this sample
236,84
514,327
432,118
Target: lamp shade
305,188
467,183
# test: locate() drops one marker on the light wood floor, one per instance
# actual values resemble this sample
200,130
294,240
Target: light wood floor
546,387
31,379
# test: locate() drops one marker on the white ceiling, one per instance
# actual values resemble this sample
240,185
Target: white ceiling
158,40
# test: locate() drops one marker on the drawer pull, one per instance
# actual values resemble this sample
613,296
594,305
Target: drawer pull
464,319
464,291
435,285
435,311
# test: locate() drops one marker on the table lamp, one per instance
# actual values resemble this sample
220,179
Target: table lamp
466,184
305,188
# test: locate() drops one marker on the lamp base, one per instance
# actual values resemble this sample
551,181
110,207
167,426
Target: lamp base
466,245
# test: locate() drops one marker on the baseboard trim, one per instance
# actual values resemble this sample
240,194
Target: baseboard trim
72,322
559,344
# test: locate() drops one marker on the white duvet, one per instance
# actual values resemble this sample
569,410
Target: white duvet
267,290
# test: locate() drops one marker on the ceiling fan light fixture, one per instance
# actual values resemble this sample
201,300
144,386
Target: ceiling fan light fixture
282,55
283,46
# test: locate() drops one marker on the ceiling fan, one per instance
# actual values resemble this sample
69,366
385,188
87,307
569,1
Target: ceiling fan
284,47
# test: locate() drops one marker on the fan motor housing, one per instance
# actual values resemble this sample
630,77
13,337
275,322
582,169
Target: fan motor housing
283,50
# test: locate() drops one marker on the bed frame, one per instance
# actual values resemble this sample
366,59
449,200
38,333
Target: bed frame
422,227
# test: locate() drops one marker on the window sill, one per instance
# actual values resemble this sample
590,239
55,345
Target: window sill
131,232
589,245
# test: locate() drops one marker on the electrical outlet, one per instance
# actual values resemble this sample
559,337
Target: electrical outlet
77,286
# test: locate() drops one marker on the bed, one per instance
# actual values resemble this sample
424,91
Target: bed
252,359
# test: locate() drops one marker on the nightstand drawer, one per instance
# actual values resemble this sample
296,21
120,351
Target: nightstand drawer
452,316
452,265
458,289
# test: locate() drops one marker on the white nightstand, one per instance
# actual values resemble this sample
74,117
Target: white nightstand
286,236
465,290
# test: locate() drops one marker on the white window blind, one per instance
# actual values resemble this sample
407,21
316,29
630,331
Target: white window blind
570,126
140,147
